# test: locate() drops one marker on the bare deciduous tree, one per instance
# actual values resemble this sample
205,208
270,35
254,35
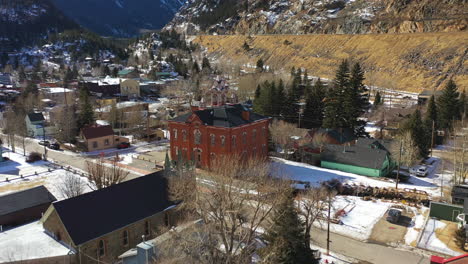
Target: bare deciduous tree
409,150
312,206
101,176
283,134
234,201
71,186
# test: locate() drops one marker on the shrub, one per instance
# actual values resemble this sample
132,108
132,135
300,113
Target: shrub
460,238
33,157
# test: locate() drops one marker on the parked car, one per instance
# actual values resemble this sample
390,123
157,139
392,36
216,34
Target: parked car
44,143
123,145
422,171
54,146
393,215
403,175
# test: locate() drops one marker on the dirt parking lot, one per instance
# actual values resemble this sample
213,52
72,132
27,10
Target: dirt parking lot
390,233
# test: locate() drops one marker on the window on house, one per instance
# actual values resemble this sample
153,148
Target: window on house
244,138
101,248
174,133
233,141
95,144
197,135
125,237
223,140
177,151
254,135
184,135
147,228
213,139
106,142
212,156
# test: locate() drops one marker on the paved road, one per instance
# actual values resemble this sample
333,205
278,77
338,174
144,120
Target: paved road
372,253
62,158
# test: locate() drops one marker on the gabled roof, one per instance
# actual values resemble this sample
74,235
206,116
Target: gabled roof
25,199
36,117
97,131
372,142
224,116
97,213
340,135
355,156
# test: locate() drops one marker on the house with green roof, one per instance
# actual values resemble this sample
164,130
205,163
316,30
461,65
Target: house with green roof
368,157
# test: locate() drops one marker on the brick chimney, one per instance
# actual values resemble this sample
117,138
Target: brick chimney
245,115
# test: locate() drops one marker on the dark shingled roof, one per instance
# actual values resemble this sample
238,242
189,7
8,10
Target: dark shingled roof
224,116
97,132
34,117
97,213
355,155
25,199
372,142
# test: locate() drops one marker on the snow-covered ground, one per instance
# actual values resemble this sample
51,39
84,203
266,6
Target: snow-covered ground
29,242
334,258
316,175
417,225
46,175
359,216
430,241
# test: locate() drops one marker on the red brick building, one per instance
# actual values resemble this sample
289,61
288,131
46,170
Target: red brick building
206,134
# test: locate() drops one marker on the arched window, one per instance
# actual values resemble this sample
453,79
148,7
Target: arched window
197,134
212,156
233,141
213,139
244,138
223,140
254,135
184,135
125,237
101,248
174,133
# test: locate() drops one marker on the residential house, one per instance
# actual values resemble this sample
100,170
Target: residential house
323,136
369,157
205,134
59,95
148,252
220,94
103,224
24,206
130,88
426,94
35,123
101,88
100,138
128,73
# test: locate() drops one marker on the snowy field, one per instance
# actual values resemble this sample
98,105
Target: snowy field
359,216
51,178
430,241
316,175
29,242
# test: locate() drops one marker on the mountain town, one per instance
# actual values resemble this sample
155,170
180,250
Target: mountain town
233,132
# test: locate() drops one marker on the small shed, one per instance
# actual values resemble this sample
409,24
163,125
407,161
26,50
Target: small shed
24,206
445,211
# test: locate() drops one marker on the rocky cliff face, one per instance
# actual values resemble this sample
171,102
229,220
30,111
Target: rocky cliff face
326,16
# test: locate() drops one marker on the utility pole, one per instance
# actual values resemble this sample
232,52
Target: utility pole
44,139
399,162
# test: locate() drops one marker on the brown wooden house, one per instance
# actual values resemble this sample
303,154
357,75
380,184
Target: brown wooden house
103,224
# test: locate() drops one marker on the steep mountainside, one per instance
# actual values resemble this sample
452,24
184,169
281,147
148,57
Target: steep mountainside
120,18
324,16
24,22
409,62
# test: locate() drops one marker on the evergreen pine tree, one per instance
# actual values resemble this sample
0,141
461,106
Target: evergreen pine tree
419,132
431,114
285,237
86,116
278,99
206,64
448,105
257,92
313,112
377,99
334,105
260,65
167,165
361,101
